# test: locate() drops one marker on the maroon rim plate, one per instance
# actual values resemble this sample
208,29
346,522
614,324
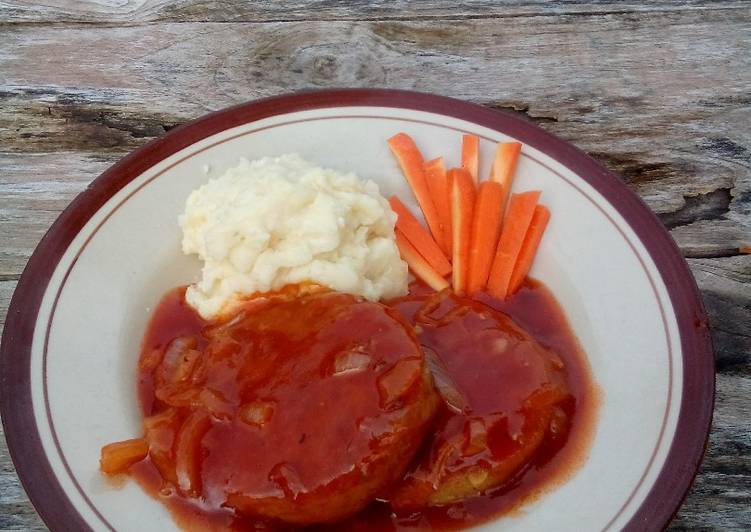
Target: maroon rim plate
694,418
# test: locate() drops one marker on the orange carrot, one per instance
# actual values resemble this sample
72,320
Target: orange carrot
471,155
119,456
529,247
411,161
504,166
419,237
486,226
418,264
462,204
520,211
438,185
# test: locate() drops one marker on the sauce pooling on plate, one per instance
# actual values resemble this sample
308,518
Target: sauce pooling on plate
296,408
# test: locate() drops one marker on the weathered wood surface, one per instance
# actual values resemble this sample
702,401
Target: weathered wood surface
660,92
54,11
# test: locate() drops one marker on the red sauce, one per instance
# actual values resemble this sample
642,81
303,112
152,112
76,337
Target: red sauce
457,333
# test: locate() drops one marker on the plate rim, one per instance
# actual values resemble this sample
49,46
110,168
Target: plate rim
698,387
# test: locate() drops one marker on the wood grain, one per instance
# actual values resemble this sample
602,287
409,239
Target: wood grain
55,11
660,92
726,287
720,498
34,189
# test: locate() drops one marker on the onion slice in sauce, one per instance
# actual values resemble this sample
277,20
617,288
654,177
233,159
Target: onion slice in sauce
454,399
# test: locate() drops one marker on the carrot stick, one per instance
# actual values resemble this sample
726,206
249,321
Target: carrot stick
529,247
411,162
462,204
438,184
504,166
486,226
419,238
520,211
418,264
119,456
471,155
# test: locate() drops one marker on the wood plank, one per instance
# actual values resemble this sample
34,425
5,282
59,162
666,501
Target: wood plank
618,91
129,11
721,496
719,237
726,288
6,292
16,512
657,91
34,189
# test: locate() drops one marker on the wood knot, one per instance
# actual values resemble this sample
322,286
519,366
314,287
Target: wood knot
339,64
325,67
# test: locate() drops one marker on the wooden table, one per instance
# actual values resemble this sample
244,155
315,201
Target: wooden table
659,91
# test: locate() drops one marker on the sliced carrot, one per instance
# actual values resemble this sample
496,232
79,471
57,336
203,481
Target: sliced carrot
418,264
411,162
462,204
529,247
486,227
471,155
520,211
504,165
419,238
438,185
119,456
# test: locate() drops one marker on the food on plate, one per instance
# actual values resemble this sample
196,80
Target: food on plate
520,212
504,165
440,192
486,227
504,401
527,252
278,221
419,265
303,382
412,164
300,408
422,239
471,155
462,207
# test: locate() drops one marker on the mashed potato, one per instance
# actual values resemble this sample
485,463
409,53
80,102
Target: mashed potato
277,221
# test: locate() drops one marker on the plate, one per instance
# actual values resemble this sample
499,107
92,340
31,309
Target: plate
74,326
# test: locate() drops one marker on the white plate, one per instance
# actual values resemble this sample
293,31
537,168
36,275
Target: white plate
75,324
